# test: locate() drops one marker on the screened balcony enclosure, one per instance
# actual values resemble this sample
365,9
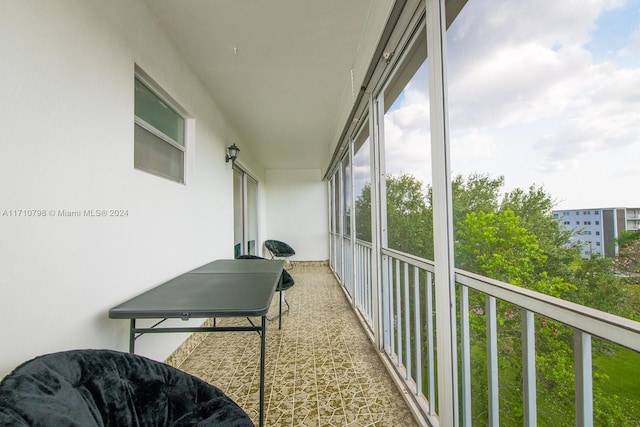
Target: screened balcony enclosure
409,151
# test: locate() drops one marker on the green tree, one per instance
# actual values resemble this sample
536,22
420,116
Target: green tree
627,238
534,208
627,266
363,214
512,238
496,245
477,193
517,240
598,288
409,219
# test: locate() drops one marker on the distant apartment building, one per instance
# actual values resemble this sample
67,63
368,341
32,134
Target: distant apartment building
597,229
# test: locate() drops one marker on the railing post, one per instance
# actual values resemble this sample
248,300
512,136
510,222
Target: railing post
352,225
379,264
386,303
466,356
442,216
584,378
529,368
430,346
418,328
492,361
407,322
392,320
398,316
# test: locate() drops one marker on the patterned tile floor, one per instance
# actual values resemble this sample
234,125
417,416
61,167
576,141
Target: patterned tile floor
321,368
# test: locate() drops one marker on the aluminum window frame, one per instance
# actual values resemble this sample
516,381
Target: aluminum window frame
176,108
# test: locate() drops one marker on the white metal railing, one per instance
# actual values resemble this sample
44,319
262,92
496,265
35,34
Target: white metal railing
408,319
584,321
408,331
347,263
363,284
336,254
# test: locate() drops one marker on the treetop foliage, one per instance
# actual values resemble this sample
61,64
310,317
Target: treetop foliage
512,237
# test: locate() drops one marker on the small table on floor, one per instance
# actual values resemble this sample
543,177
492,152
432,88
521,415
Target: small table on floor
223,288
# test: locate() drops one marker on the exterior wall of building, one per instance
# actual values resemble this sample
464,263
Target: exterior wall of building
597,229
610,231
632,219
81,229
67,156
588,226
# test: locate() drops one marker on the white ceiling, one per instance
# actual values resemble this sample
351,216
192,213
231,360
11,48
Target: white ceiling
278,69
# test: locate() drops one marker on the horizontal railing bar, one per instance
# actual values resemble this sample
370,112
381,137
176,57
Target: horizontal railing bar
364,243
411,259
619,330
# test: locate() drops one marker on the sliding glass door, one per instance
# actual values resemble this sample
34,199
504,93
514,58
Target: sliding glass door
245,213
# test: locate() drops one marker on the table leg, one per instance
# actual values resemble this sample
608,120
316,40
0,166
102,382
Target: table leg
132,336
263,350
280,295
280,310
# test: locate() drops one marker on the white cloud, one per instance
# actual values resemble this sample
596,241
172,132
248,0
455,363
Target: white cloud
531,102
407,140
521,70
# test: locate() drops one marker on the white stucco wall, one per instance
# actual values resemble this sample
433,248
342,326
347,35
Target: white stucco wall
66,143
297,213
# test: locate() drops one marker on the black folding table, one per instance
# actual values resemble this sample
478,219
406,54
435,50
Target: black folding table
222,288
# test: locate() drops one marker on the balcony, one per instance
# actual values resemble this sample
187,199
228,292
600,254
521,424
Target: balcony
311,92
323,367
409,334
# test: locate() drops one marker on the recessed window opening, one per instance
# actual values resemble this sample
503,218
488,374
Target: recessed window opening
160,131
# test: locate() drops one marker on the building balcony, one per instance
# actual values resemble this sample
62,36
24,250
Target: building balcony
326,367
321,370
324,99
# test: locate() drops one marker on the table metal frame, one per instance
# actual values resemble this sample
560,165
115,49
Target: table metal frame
122,312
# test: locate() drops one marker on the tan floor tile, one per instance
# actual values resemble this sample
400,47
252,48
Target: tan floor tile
333,421
321,368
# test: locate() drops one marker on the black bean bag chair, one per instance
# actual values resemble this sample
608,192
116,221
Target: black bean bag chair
109,388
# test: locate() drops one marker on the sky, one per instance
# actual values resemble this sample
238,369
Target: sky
542,92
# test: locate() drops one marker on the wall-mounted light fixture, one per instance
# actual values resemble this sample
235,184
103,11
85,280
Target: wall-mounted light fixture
233,151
